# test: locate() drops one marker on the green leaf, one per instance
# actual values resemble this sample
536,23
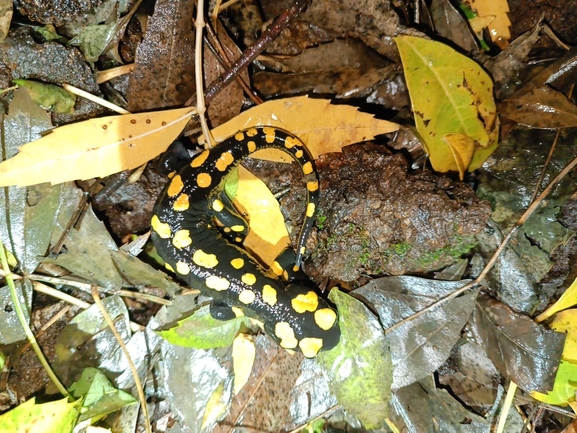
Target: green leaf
202,331
565,386
360,370
54,417
49,96
450,94
100,396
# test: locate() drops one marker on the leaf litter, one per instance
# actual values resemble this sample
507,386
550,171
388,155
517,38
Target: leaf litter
495,326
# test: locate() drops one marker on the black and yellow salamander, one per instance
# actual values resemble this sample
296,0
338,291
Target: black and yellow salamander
198,234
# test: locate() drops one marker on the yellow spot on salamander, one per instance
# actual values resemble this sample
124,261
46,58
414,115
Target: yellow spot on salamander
162,229
296,268
181,239
170,268
310,210
182,268
237,239
299,153
269,134
286,335
246,297
251,146
171,174
205,260
204,180
237,263
175,186
217,283
217,205
276,268
224,161
325,318
252,132
285,275
305,302
226,229
199,160
269,295
303,249
239,136
181,203
248,279
307,168
291,142
237,228
237,312
310,346
313,186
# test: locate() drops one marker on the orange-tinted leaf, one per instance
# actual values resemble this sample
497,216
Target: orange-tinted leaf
323,127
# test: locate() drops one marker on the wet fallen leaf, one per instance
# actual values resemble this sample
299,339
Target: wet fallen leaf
450,23
543,107
359,369
94,148
450,94
323,127
5,18
523,351
420,346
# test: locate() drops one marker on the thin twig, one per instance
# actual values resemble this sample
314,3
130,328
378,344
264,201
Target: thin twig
135,376
251,53
198,72
530,210
24,324
94,98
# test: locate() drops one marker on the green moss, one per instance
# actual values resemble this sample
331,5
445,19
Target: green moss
459,246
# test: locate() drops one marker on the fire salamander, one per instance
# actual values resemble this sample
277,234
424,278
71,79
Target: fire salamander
198,233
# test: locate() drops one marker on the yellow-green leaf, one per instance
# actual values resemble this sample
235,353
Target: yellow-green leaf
450,94
54,417
49,96
568,299
323,127
94,148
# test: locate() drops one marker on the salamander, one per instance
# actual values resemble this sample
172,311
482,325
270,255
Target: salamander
199,234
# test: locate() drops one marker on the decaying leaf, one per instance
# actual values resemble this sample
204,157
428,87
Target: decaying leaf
421,345
523,351
321,126
94,148
450,94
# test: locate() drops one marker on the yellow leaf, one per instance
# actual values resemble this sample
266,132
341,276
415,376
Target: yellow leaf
568,299
566,321
215,407
268,235
94,148
54,417
450,94
496,12
463,148
243,355
321,126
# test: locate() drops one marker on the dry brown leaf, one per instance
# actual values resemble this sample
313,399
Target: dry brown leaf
94,148
323,127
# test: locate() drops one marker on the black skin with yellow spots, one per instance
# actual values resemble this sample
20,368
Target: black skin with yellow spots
197,233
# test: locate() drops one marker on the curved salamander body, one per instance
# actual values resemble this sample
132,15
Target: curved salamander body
197,232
